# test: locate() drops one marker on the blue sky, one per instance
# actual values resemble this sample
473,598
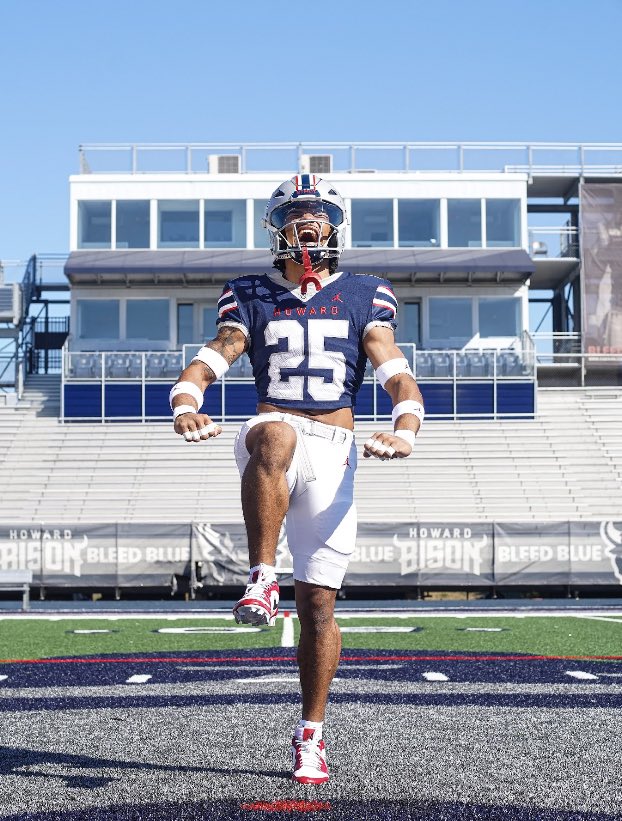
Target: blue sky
150,71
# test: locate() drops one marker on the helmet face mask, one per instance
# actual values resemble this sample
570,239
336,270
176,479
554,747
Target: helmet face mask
306,211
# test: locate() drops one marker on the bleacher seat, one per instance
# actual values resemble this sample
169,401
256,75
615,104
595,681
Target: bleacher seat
173,365
117,366
424,364
442,364
155,365
478,364
85,365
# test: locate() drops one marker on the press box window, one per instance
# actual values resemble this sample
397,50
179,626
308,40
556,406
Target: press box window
185,323
178,224
98,318
409,325
132,224
499,316
94,224
451,320
225,224
464,223
147,319
372,223
419,223
503,223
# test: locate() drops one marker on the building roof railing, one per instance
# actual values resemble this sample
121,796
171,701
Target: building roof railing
534,158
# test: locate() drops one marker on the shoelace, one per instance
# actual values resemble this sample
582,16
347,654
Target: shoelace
263,586
311,748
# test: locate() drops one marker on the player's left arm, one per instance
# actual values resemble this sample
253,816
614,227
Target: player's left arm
394,374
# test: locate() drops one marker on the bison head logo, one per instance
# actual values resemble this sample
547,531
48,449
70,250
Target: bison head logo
611,533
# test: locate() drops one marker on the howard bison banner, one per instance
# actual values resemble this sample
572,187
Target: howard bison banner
86,555
435,554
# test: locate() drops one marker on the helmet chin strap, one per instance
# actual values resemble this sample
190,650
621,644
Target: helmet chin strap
309,277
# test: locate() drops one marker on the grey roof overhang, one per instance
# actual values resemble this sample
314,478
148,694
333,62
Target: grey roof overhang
213,265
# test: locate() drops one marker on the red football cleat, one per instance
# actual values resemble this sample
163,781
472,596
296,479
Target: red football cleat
259,604
309,758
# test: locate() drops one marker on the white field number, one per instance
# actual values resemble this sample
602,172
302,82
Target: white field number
319,330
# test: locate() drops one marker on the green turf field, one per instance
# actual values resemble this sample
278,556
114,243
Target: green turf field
33,638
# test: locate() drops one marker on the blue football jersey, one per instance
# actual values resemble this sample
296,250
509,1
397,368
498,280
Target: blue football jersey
307,351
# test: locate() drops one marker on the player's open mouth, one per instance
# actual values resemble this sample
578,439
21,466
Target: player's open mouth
308,233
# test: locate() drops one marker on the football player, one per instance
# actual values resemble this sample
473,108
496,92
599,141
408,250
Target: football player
309,330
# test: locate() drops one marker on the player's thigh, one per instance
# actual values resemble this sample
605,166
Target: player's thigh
274,439
321,521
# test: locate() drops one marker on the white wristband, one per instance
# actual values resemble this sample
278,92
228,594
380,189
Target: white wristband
214,360
180,409
407,435
391,368
189,388
408,406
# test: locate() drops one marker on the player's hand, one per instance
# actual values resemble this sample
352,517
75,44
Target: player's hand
386,446
196,426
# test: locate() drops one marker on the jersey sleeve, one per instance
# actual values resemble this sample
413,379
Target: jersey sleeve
383,311
229,310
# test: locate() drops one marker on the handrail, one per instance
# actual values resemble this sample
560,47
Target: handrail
411,156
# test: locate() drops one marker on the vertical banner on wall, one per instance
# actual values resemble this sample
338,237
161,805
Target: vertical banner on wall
601,263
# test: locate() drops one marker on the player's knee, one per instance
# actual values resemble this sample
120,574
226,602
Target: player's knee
273,443
316,615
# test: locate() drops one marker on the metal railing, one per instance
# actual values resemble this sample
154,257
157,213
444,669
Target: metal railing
578,370
507,157
452,367
556,242
556,342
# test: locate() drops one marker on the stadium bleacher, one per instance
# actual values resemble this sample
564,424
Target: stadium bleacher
565,464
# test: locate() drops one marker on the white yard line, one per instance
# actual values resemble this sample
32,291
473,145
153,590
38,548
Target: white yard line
598,618
287,635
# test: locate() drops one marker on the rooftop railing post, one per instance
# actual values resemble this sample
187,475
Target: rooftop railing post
142,385
134,159
352,158
103,386
461,157
188,159
63,365
455,386
495,385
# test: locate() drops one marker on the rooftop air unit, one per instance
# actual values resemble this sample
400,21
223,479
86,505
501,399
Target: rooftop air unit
223,163
11,303
316,164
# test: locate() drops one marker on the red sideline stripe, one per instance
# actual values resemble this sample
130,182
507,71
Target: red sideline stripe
214,660
286,806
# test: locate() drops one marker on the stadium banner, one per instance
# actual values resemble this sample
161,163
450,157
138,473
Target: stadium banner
402,554
91,555
596,552
601,262
532,553
406,554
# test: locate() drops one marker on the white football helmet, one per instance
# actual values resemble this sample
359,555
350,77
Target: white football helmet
301,202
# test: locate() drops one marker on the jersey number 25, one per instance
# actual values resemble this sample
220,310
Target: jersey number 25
318,330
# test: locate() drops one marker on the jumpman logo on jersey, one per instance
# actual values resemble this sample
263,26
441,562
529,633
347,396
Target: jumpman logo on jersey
347,462
337,298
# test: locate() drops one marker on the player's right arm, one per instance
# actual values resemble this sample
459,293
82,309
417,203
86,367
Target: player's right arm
186,397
